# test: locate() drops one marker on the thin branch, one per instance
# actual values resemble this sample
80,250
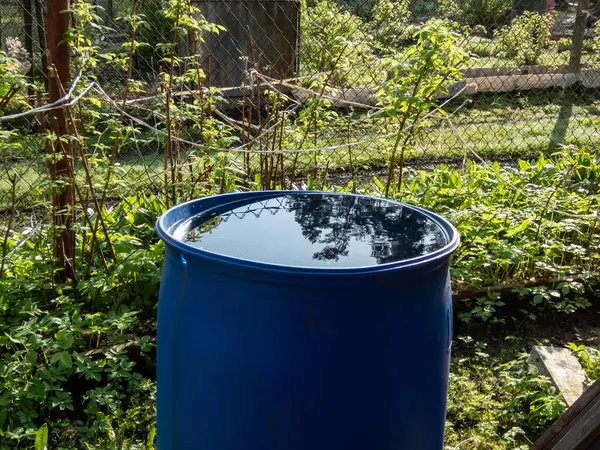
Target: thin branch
13,182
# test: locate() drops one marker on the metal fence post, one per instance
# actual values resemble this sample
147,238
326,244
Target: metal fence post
578,35
41,31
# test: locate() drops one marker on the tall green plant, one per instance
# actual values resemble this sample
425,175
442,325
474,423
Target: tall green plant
421,72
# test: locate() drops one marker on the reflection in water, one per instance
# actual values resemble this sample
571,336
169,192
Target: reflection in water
318,230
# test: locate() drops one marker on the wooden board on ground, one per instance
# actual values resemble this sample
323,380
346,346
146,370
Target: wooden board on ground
479,84
578,428
563,369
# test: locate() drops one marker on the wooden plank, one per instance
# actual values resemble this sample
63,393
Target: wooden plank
491,84
366,98
584,431
569,417
563,369
484,72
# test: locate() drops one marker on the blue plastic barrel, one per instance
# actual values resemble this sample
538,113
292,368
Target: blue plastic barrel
303,321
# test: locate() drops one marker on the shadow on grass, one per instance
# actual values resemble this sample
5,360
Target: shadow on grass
559,132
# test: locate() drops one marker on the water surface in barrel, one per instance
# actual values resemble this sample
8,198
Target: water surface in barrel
317,230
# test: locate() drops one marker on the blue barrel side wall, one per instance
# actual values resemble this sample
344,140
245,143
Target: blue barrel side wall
255,360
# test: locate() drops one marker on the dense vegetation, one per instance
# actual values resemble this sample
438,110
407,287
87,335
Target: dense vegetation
77,365
79,358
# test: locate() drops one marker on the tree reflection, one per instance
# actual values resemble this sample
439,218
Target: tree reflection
394,233
197,230
329,223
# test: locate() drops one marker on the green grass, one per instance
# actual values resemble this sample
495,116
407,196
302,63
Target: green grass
494,126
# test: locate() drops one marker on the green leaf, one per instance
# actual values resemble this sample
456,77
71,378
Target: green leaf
378,183
2,418
519,228
55,358
524,165
66,360
94,101
31,357
151,437
65,340
575,347
60,334
41,438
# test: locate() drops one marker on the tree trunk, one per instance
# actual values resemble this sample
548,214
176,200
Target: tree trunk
61,162
578,35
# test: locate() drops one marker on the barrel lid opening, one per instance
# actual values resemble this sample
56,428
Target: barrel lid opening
315,230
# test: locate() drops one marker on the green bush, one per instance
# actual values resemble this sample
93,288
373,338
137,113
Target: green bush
564,44
589,358
479,46
479,29
422,8
497,405
526,38
152,13
333,42
12,83
490,13
67,343
388,25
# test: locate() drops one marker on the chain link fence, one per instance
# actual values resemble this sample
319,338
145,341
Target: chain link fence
287,93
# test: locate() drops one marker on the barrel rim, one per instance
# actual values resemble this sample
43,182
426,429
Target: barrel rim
163,229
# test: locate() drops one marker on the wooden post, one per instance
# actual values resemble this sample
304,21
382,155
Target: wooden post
61,165
578,35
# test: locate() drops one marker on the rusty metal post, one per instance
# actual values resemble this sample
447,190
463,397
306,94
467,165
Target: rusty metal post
61,162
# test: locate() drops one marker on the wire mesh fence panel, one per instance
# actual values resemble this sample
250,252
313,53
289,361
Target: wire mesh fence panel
189,97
